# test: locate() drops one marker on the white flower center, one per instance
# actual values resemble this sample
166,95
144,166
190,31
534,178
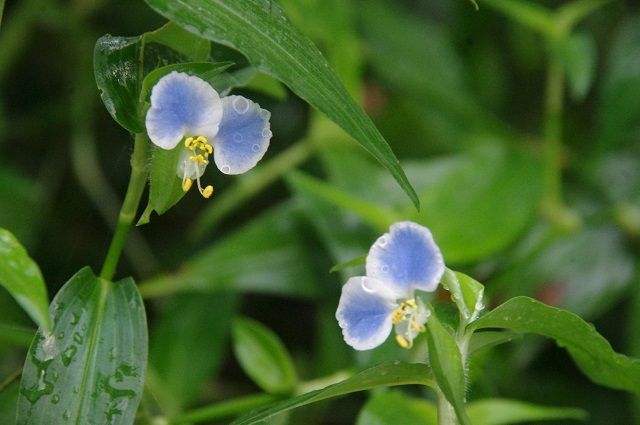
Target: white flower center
408,321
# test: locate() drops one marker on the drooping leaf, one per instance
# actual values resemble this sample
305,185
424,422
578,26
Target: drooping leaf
500,411
90,367
383,375
260,30
590,350
446,362
20,275
188,344
263,357
394,408
267,255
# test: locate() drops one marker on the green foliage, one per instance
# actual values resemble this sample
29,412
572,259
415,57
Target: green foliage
20,275
91,366
263,357
385,374
261,31
591,352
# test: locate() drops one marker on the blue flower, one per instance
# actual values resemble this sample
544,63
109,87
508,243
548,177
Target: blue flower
399,262
186,109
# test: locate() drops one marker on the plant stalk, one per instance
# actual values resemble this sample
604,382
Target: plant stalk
130,204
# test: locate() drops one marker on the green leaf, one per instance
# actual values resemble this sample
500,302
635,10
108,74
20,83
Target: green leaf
499,411
577,53
466,292
446,362
15,335
590,350
260,30
176,38
20,275
263,357
117,72
383,375
527,13
90,368
358,261
267,255
394,408
188,344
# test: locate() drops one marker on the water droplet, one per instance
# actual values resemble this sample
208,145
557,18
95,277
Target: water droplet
237,137
55,399
266,133
68,354
40,388
255,148
365,287
264,114
66,415
74,318
77,338
225,169
385,269
382,241
240,105
60,335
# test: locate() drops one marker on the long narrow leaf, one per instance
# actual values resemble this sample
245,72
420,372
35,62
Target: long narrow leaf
260,30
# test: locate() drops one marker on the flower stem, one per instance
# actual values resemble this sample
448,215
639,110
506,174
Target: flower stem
136,186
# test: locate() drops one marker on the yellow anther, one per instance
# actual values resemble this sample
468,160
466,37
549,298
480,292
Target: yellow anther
403,342
186,184
207,192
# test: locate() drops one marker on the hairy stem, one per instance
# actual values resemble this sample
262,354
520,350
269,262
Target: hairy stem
129,208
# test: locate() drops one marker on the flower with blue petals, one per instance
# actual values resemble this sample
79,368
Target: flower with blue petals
186,109
400,262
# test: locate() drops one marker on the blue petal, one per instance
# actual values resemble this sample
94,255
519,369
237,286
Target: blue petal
364,312
406,258
182,105
244,135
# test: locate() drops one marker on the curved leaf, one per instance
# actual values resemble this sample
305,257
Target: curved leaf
395,408
590,350
446,362
20,275
263,357
383,375
90,368
260,30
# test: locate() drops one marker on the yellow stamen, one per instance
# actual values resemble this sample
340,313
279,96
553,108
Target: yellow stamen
186,184
403,342
201,149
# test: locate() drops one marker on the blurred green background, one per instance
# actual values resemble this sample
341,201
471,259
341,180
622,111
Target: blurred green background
464,97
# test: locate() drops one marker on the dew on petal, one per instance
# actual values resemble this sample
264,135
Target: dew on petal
266,133
382,242
225,169
264,114
255,148
237,137
240,105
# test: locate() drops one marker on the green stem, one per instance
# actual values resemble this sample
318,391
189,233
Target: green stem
225,409
136,186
